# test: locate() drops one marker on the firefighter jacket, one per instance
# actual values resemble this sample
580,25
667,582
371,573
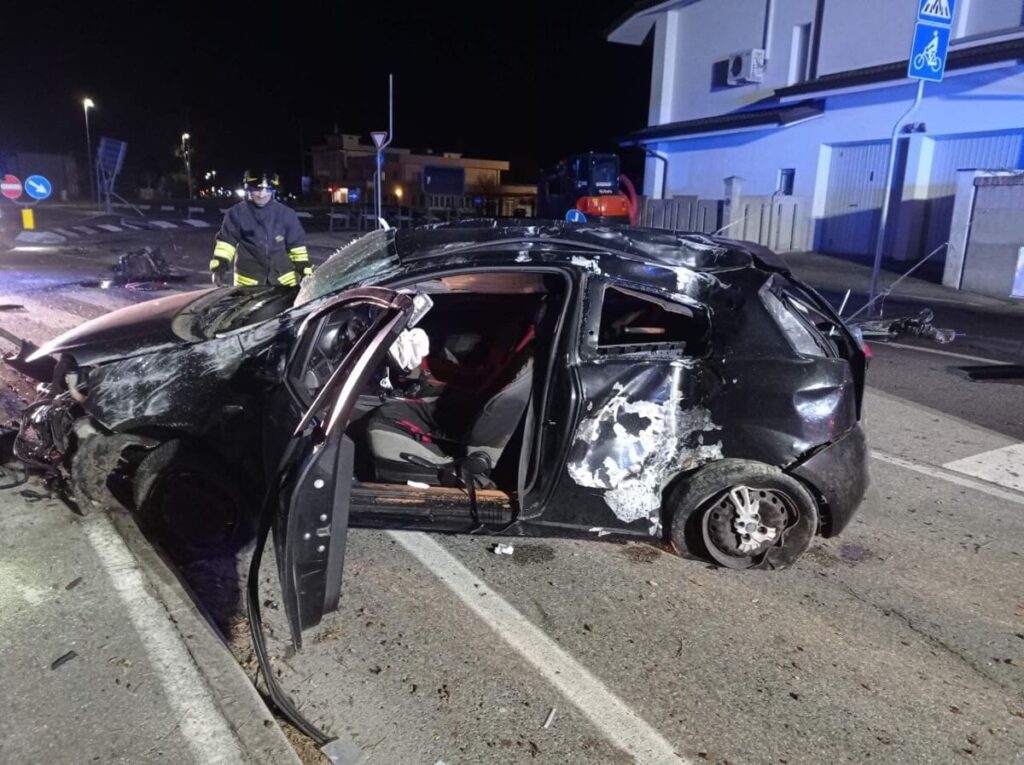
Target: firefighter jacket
266,244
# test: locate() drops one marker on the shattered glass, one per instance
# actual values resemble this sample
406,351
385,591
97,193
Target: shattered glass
367,257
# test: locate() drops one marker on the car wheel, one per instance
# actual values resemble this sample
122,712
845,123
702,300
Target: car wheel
742,514
189,496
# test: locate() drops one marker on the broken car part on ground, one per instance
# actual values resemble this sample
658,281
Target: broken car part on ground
609,382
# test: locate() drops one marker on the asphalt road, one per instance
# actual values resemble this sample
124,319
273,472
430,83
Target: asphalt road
901,641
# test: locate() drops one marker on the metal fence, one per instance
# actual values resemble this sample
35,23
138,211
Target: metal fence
782,223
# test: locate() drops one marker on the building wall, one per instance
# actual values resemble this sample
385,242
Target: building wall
989,132
692,43
847,28
980,16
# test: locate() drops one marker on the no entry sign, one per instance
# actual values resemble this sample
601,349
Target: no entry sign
10,187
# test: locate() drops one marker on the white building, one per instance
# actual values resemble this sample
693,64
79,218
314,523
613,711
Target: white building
801,97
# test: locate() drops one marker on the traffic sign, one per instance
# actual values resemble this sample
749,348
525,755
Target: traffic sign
37,187
928,53
936,11
379,137
10,187
575,216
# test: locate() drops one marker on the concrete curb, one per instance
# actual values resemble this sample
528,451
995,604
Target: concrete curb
258,733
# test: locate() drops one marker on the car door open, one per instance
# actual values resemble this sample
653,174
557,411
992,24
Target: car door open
338,348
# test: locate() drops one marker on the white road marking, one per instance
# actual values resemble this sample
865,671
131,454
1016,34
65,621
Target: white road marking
947,475
84,229
203,726
67,232
163,224
166,208
937,352
196,209
303,214
109,227
196,223
1002,466
623,726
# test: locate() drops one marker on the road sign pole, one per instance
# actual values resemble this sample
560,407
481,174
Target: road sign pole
887,199
929,50
382,140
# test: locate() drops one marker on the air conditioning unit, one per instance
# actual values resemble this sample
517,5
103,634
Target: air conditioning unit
747,66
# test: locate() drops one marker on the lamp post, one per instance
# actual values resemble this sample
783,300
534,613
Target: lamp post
186,152
86,105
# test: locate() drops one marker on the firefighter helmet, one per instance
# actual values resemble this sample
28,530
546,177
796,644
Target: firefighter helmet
261,180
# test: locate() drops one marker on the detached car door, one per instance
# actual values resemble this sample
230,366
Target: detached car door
338,348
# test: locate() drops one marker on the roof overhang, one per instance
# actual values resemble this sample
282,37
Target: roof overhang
775,116
632,27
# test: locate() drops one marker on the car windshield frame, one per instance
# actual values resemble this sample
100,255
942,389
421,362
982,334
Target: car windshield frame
369,257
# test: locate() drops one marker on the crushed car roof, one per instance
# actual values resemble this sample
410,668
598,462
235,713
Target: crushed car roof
700,252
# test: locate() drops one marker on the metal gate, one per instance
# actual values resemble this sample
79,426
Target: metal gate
853,201
953,153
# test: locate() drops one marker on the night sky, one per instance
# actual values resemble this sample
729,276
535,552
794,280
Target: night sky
526,82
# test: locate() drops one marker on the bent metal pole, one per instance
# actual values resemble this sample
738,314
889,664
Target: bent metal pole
880,243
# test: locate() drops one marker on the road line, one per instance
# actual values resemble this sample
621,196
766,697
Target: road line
1003,466
937,352
948,475
196,223
203,726
163,224
110,227
84,229
621,724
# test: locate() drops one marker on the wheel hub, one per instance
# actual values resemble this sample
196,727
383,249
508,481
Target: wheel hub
747,521
748,524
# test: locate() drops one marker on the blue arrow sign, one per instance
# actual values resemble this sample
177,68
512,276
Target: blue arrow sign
936,11
928,53
575,216
37,187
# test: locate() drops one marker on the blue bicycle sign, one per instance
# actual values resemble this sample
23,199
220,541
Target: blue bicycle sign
929,51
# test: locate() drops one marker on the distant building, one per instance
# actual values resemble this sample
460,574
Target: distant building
445,182
800,97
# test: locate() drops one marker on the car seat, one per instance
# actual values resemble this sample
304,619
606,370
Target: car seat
429,440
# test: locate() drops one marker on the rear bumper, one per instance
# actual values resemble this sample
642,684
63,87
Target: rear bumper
840,475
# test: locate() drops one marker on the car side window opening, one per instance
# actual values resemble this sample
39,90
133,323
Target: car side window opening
632,322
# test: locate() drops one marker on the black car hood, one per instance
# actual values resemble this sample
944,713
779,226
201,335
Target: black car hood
125,332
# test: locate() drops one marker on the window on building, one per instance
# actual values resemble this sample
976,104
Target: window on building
632,322
800,54
787,177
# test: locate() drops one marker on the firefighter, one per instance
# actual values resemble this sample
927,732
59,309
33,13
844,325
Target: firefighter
262,238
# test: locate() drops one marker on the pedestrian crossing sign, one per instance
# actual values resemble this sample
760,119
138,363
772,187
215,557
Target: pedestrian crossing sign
936,11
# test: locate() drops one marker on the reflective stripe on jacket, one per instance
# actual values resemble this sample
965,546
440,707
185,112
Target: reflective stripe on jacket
267,244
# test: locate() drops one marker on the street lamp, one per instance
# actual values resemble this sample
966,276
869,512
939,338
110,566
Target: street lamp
86,105
186,151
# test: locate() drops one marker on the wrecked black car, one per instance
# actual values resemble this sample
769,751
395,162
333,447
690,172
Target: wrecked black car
478,377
